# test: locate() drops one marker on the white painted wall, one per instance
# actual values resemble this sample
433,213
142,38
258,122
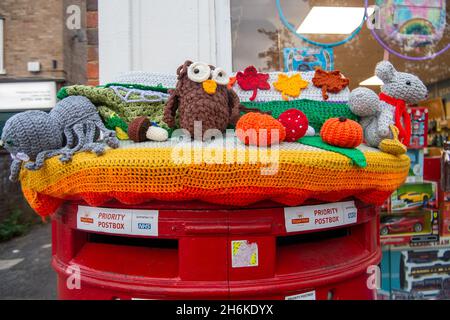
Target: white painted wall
159,35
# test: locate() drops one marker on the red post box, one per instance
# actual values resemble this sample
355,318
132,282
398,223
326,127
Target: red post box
204,251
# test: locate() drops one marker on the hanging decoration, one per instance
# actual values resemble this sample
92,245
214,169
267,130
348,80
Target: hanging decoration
413,24
315,43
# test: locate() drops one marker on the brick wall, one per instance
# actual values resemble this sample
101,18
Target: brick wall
33,32
75,42
81,46
92,42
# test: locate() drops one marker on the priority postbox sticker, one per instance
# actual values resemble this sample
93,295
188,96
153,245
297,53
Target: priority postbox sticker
118,221
320,216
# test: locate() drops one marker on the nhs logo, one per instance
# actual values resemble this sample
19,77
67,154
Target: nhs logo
144,226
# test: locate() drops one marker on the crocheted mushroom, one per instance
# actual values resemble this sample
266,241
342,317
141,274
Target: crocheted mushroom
141,129
295,122
137,129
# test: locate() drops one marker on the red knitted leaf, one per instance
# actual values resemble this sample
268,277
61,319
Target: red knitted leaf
250,79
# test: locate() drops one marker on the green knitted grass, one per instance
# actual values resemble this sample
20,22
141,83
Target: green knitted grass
317,112
110,106
356,156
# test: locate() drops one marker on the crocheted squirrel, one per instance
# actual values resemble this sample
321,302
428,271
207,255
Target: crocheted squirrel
72,125
379,113
201,94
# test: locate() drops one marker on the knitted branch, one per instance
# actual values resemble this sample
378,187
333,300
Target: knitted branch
137,95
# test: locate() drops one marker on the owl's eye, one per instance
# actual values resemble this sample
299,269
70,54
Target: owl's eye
199,72
408,83
220,76
10,143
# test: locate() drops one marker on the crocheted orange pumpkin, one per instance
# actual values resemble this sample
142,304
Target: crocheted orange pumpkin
259,129
342,132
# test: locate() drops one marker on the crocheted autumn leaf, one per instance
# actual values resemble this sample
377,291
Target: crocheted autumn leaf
290,86
251,79
332,81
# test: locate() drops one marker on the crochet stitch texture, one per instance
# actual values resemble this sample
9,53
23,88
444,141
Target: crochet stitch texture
109,103
317,112
138,173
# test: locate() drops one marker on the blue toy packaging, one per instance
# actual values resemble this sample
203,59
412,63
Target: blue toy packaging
308,59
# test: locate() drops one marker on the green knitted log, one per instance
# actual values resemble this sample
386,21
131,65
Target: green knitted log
317,112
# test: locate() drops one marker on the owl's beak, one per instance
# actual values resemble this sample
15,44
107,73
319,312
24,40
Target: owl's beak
209,86
1,143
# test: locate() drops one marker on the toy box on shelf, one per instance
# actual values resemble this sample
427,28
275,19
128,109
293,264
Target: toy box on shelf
414,196
445,216
407,227
416,274
411,215
417,165
419,127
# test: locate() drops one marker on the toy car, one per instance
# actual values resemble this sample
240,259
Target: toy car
414,197
396,224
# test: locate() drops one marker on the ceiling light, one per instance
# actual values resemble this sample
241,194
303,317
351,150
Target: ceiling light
372,81
332,20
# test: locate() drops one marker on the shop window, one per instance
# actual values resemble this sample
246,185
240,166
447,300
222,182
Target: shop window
258,36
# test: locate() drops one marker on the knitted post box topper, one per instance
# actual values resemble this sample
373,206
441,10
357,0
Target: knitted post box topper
201,94
378,113
72,125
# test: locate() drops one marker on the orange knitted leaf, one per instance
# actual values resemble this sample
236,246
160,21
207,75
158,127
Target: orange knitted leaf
259,129
332,81
342,132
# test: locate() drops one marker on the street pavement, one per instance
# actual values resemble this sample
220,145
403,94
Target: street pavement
25,271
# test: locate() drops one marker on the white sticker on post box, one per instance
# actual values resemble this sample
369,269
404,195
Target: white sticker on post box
320,216
118,221
244,254
310,295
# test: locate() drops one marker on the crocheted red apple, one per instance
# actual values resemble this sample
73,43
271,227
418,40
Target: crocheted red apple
295,122
251,79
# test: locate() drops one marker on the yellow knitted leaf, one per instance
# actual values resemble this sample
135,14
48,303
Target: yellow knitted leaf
290,86
122,135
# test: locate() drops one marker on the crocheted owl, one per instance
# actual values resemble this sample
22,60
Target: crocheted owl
202,99
379,113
